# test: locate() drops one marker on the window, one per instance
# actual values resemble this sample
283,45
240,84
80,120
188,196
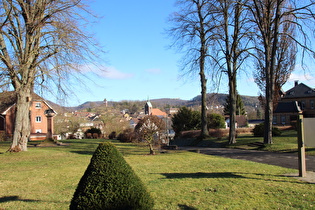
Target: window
283,119
302,105
38,119
38,105
274,120
312,104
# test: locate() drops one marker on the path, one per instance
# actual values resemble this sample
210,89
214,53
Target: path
287,160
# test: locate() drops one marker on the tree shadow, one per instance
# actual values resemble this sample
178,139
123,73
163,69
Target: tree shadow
15,198
185,207
229,175
199,175
83,152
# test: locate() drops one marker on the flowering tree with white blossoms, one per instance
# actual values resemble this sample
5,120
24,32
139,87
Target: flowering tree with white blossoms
149,129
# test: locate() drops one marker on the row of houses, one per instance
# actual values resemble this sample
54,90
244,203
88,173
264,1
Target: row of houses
297,100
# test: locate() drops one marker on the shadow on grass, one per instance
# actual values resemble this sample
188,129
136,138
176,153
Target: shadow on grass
230,175
185,207
199,175
15,198
82,152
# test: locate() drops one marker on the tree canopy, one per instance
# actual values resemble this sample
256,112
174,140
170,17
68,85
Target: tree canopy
43,45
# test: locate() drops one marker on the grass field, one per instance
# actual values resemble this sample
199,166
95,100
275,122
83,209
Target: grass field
46,178
287,142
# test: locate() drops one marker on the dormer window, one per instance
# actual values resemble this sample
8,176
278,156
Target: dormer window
38,105
291,93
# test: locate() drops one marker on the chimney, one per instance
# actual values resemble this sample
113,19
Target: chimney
296,82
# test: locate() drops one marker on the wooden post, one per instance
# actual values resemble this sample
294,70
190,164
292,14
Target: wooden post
49,128
301,147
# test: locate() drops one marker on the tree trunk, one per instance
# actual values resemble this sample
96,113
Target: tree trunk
152,152
232,95
269,101
22,128
204,128
202,61
271,54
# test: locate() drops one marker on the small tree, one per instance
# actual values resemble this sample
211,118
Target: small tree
110,183
240,110
215,121
186,119
148,129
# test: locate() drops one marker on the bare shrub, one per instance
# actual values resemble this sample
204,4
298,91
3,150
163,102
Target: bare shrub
128,135
219,133
189,134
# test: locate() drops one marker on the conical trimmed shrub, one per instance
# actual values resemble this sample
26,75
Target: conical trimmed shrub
110,183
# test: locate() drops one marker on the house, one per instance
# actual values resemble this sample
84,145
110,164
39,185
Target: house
299,99
148,110
41,123
172,111
240,121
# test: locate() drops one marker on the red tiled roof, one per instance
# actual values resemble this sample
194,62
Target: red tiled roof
158,112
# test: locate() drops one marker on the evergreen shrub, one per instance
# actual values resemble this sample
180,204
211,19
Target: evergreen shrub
110,183
215,121
259,129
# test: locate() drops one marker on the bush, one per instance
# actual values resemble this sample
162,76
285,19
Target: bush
219,133
128,135
110,183
112,135
215,121
94,132
186,119
258,131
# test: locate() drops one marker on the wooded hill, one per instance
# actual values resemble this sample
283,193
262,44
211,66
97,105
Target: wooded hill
251,103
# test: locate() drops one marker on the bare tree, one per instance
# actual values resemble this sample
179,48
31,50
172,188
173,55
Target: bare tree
41,42
149,129
192,32
270,17
284,64
231,47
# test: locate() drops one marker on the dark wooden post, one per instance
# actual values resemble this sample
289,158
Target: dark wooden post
49,128
49,114
301,147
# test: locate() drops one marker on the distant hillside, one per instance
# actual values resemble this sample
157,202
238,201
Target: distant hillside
89,104
212,99
220,99
169,101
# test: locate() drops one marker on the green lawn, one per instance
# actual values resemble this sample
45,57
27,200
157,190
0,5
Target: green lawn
287,142
46,177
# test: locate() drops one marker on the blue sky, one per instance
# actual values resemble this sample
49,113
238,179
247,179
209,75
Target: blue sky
139,64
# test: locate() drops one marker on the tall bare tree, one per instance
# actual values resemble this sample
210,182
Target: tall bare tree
192,33
284,64
270,17
231,46
41,42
